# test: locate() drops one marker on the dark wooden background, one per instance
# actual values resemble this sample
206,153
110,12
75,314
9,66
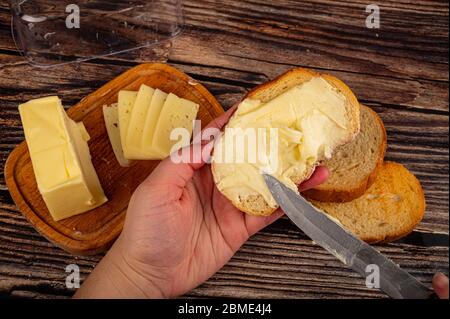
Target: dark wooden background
401,70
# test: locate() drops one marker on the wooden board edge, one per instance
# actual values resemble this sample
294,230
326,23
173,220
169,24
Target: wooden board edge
59,239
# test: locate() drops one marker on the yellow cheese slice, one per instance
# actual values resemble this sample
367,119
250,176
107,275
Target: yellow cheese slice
125,106
111,116
60,157
132,146
159,97
176,113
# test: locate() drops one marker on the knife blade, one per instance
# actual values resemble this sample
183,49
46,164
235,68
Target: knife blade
353,252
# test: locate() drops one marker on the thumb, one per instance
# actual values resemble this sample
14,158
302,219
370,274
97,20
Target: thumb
440,285
177,169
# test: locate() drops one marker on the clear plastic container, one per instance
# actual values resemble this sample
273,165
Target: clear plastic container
55,32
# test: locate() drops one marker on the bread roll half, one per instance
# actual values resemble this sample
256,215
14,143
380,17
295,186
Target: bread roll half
311,113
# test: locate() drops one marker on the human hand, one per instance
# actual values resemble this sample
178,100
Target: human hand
179,231
440,285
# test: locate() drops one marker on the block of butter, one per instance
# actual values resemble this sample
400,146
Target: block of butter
60,157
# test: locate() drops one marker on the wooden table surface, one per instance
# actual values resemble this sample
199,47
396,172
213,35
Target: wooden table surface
401,70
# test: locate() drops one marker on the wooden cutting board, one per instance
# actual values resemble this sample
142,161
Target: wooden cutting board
94,231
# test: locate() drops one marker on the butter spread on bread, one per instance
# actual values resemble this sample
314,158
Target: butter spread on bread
313,113
353,166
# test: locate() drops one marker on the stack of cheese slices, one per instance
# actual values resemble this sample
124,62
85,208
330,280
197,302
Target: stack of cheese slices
140,124
378,201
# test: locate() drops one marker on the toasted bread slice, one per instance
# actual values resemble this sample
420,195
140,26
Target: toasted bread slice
388,210
256,204
353,166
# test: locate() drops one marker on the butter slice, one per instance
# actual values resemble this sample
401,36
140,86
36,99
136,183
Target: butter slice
60,157
83,131
176,113
111,116
125,107
158,100
132,146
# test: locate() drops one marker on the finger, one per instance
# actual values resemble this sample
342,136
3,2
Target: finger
319,176
179,167
440,285
212,131
178,173
255,223
220,121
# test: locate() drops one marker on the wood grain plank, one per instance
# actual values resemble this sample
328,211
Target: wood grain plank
429,95
227,83
257,57
329,35
326,35
281,256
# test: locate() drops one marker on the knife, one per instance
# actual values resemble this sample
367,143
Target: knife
350,250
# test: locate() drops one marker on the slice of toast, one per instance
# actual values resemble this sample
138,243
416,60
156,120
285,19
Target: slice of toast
388,210
353,166
256,204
